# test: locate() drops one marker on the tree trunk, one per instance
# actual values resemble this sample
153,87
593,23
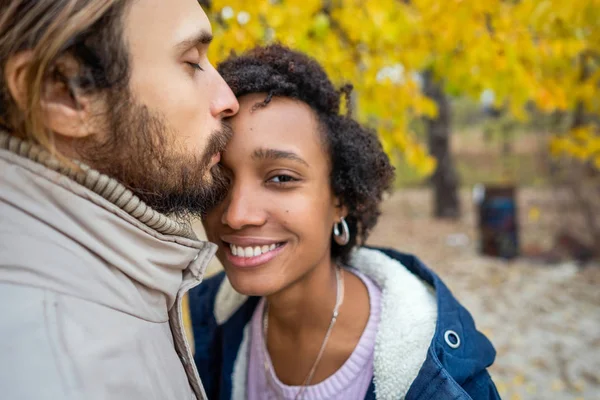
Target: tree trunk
583,183
445,179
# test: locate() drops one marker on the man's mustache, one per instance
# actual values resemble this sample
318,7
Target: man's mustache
218,140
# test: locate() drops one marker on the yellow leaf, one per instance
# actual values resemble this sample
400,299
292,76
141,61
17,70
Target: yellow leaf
526,52
518,380
557,385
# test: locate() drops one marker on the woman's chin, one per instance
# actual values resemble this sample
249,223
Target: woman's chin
251,286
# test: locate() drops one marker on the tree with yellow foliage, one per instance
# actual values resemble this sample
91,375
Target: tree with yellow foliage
544,53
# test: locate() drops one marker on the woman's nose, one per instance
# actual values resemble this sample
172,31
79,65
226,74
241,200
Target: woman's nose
243,208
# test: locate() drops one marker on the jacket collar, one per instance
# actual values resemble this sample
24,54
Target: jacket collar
92,238
104,186
408,311
474,352
417,306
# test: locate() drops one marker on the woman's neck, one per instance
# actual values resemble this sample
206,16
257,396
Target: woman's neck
307,304
299,318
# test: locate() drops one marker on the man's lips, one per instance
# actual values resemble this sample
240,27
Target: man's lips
215,159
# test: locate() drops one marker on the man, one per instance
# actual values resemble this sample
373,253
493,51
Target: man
111,119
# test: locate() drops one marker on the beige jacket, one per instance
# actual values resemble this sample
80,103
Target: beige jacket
91,285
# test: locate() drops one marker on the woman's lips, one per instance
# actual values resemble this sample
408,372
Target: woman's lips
252,260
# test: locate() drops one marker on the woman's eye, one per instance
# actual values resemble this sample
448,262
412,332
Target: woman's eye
195,66
282,179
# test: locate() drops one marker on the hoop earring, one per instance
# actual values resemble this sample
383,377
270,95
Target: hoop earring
341,238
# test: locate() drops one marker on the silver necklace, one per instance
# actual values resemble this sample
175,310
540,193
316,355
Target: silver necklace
339,299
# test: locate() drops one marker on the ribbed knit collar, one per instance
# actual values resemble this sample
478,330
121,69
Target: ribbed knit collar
103,185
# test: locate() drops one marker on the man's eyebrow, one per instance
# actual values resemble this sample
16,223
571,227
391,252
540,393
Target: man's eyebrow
201,38
274,154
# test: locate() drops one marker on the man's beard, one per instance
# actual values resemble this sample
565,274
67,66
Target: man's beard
144,155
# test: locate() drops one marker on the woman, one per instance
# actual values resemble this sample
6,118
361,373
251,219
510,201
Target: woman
302,310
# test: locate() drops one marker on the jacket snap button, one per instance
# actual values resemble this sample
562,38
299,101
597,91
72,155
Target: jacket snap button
452,339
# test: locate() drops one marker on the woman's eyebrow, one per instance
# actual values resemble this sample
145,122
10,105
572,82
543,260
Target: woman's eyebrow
275,154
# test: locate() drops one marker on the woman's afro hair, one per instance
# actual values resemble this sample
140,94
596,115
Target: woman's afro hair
360,169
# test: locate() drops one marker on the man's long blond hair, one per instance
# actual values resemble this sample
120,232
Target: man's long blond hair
88,30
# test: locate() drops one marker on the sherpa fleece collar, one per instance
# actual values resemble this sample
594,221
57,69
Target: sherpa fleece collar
407,326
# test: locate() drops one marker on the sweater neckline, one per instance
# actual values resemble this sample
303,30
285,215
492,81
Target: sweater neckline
361,356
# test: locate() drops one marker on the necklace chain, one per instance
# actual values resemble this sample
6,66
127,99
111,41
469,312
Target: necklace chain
339,276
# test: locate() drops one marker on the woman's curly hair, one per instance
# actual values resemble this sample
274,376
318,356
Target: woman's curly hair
360,169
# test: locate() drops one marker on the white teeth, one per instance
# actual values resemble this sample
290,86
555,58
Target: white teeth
240,251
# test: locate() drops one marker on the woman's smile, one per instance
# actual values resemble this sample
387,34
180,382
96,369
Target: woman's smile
247,252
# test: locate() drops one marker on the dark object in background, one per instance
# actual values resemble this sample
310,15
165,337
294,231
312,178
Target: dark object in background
567,246
498,225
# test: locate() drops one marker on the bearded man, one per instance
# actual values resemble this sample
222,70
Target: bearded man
111,128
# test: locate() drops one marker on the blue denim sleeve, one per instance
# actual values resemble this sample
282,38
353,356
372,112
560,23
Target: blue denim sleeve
481,387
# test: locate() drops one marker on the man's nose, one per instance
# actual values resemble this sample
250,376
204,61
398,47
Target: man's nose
224,103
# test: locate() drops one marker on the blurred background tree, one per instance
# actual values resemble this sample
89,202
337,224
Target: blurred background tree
409,59
464,92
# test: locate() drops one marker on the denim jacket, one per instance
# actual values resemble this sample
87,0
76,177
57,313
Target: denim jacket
453,365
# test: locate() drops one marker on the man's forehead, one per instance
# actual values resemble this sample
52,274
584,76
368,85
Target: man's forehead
173,21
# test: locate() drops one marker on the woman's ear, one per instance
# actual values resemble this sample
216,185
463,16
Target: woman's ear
65,112
340,210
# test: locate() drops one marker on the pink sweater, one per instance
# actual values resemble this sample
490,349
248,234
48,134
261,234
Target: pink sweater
349,382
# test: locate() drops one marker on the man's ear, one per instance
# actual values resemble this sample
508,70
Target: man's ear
65,112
